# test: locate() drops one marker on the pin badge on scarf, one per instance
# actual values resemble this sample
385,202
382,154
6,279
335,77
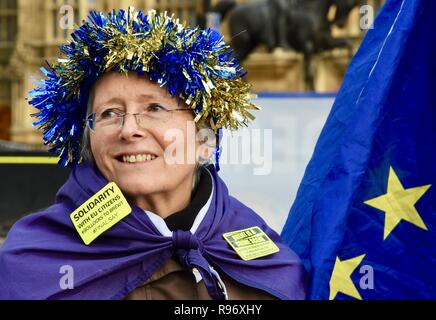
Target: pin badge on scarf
251,243
100,212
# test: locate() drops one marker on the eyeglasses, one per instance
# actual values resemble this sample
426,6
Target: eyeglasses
155,114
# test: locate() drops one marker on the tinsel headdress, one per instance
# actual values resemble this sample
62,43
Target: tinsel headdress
193,64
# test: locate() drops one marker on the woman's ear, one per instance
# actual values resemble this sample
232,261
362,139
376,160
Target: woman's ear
206,152
205,145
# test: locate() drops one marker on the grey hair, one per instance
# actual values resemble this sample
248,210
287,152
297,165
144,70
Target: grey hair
203,162
86,152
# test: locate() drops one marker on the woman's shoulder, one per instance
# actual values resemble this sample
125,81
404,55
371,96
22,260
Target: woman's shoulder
32,226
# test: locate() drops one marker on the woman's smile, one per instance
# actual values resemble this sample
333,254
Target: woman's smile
138,158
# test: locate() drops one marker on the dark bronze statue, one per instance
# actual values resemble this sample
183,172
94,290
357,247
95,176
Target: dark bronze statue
302,25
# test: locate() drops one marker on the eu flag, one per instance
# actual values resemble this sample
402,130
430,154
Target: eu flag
364,219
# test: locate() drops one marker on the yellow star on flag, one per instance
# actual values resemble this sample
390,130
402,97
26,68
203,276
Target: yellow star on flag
340,280
399,204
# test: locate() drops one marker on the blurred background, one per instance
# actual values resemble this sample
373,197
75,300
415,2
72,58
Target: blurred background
296,53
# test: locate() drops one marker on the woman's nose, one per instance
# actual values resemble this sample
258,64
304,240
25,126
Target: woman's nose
130,128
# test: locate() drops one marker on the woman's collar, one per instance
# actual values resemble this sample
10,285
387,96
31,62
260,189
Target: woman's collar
190,217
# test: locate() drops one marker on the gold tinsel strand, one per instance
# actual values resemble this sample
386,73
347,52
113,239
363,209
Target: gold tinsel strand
226,99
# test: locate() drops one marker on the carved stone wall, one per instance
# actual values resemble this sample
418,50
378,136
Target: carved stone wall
278,71
37,38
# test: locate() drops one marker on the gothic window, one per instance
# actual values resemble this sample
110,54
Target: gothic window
185,10
8,22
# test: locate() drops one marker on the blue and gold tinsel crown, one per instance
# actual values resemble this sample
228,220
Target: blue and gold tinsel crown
193,64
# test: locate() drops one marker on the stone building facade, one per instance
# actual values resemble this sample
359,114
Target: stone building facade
31,32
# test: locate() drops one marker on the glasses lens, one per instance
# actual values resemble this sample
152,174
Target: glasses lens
113,120
108,119
90,121
154,117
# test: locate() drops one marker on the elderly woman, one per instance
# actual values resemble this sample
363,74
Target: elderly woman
144,214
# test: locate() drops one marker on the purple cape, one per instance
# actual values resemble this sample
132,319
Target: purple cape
126,255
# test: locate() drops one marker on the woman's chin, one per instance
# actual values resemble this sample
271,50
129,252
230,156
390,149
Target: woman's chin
131,187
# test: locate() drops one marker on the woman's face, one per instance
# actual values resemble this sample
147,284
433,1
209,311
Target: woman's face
123,153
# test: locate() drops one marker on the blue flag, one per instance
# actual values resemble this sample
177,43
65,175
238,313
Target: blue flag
364,219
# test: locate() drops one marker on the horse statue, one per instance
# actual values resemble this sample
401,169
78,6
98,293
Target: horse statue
302,25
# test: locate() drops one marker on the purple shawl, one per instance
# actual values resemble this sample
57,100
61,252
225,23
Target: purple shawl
126,255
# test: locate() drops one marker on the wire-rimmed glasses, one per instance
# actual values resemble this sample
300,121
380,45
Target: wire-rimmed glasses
114,118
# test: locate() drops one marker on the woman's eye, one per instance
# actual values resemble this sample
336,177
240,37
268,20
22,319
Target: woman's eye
108,114
155,108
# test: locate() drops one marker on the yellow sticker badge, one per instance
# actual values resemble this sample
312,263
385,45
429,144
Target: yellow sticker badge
251,243
100,212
